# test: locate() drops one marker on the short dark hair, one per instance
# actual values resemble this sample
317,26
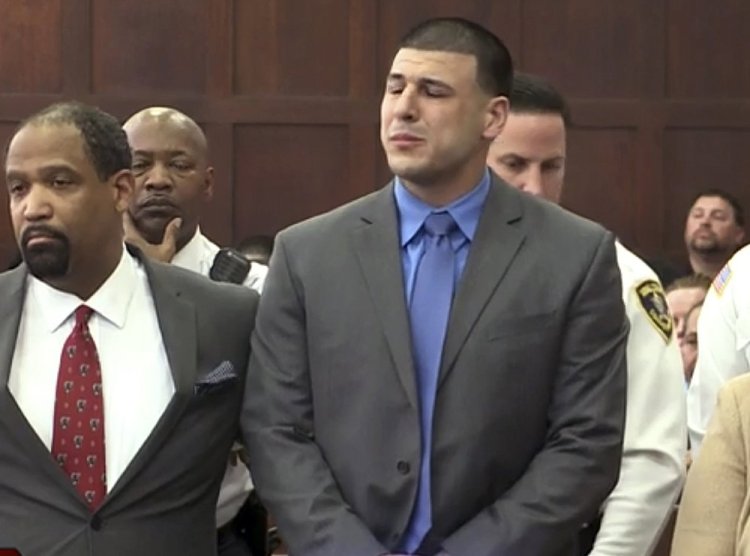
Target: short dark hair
532,94
104,140
731,200
461,36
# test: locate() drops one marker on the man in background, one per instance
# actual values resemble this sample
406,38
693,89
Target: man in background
530,154
173,184
418,387
714,230
113,436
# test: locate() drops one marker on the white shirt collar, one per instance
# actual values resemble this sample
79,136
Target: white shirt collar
110,301
191,255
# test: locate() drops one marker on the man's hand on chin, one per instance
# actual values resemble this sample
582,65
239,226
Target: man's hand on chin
164,251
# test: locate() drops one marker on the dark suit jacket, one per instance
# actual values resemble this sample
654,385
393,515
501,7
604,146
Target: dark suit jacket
164,504
530,404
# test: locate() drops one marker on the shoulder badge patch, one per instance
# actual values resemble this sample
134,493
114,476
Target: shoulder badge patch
722,279
654,304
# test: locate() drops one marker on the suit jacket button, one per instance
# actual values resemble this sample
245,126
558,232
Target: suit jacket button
403,467
96,523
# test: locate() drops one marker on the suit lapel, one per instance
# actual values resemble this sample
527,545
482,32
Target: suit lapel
495,244
176,316
177,321
11,416
376,244
13,293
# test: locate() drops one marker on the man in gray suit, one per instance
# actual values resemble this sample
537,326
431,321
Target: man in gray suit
121,378
420,381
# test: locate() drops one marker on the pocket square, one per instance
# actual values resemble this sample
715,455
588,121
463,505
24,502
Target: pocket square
223,373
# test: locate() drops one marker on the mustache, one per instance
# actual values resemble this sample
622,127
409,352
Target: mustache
41,230
704,231
157,201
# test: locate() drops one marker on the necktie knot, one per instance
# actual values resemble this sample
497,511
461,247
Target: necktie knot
439,224
83,314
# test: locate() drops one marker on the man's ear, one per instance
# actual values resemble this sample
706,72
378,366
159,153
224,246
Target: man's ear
208,190
123,185
740,237
495,117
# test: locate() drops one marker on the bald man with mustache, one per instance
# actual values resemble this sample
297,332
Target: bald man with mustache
174,182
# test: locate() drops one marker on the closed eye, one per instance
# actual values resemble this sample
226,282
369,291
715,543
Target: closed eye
513,163
61,182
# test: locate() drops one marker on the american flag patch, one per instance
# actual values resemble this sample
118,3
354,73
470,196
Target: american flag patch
722,279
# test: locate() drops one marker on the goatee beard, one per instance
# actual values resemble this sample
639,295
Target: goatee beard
50,260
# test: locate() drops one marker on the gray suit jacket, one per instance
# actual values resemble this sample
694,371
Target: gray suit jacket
529,414
164,504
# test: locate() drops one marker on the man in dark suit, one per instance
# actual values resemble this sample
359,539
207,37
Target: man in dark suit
121,378
420,381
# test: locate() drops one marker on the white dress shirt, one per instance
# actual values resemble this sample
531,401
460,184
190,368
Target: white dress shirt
198,255
136,379
654,446
723,342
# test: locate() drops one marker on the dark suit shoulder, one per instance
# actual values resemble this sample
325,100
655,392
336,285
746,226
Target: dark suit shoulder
231,300
541,219
558,218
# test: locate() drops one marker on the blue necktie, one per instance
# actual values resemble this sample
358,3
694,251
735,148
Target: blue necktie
428,313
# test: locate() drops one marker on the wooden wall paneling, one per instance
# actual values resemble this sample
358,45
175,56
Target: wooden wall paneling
221,35
708,49
289,47
364,141
591,48
31,46
289,92
600,177
7,239
698,159
256,47
286,173
650,198
76,49
729,113
158,45
219,216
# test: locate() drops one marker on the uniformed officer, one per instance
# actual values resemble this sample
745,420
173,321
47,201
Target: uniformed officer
530,155
723,342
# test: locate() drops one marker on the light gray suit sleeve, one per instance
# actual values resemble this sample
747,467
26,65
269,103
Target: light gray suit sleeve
287,466
580,462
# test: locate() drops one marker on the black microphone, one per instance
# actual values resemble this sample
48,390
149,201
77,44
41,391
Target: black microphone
229,266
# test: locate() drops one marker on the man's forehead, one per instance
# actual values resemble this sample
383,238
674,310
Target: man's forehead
46,140
163,135
531,136
413,61
711,201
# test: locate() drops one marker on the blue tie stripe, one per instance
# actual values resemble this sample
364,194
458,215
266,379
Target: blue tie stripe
429,310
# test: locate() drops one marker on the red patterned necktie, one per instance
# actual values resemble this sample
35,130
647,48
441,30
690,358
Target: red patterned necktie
78,430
